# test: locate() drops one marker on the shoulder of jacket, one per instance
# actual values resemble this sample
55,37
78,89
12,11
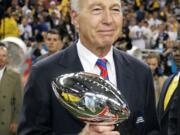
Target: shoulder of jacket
12,72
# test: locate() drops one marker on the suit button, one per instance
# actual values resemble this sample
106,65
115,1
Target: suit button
2,110
4,96
2,123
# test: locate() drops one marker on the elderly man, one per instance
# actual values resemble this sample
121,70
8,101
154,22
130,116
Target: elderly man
10,95
99,23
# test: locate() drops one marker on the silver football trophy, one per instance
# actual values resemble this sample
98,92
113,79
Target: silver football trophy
91,98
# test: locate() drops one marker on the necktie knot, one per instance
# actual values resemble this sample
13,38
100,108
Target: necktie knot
101,63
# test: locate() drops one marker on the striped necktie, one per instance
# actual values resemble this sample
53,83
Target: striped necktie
101,63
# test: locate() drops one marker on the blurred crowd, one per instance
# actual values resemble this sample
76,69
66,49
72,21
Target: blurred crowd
153,26
149,26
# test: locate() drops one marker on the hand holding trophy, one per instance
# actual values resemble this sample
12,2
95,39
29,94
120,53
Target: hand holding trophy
91,98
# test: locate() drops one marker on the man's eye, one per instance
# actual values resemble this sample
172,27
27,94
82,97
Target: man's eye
116,10
96,10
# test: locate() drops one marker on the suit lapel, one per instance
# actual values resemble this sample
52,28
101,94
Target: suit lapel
170,101
5,80
124,73
163,94
70,60
178,110
119,72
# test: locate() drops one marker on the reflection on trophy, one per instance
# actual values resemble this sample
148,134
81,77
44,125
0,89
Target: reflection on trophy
91,98
17,50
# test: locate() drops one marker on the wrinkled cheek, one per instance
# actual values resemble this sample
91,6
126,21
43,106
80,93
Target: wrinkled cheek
119,31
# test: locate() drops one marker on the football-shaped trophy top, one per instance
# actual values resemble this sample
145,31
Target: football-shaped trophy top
91,98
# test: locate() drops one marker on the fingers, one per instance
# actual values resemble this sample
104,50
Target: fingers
100,129
111,133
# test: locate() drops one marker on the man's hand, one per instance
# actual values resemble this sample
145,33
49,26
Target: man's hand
13,127
99,130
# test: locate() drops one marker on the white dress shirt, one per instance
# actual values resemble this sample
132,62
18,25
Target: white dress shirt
1,72
88,61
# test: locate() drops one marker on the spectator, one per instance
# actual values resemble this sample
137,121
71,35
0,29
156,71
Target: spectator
168,108
153,60
153,19
140,14
137,35
10,91
54,42
8,27
168,59
25,29
64,7
161,38
38,48
53,8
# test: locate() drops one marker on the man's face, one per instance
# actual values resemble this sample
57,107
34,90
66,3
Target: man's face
99,22
3,57
177,55
53,42
153,64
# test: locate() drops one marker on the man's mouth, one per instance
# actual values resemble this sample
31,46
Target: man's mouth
106,32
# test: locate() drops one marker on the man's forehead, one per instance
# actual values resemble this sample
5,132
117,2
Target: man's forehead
3,49
85,1
103,0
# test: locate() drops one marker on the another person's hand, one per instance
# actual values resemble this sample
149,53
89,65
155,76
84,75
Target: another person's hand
99,130
168,51
13,127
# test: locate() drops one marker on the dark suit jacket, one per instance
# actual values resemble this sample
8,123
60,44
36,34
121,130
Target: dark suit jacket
43,115
170,118
178,111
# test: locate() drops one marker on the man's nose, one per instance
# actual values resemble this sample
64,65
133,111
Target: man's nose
107,17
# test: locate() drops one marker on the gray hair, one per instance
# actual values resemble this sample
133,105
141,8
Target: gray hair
75,5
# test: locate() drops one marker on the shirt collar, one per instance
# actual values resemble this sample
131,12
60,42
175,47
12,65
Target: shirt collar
90,57
2,72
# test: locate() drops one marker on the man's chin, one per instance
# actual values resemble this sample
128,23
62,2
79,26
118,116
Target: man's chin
106,42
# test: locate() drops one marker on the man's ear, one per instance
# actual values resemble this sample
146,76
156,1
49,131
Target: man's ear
74,19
